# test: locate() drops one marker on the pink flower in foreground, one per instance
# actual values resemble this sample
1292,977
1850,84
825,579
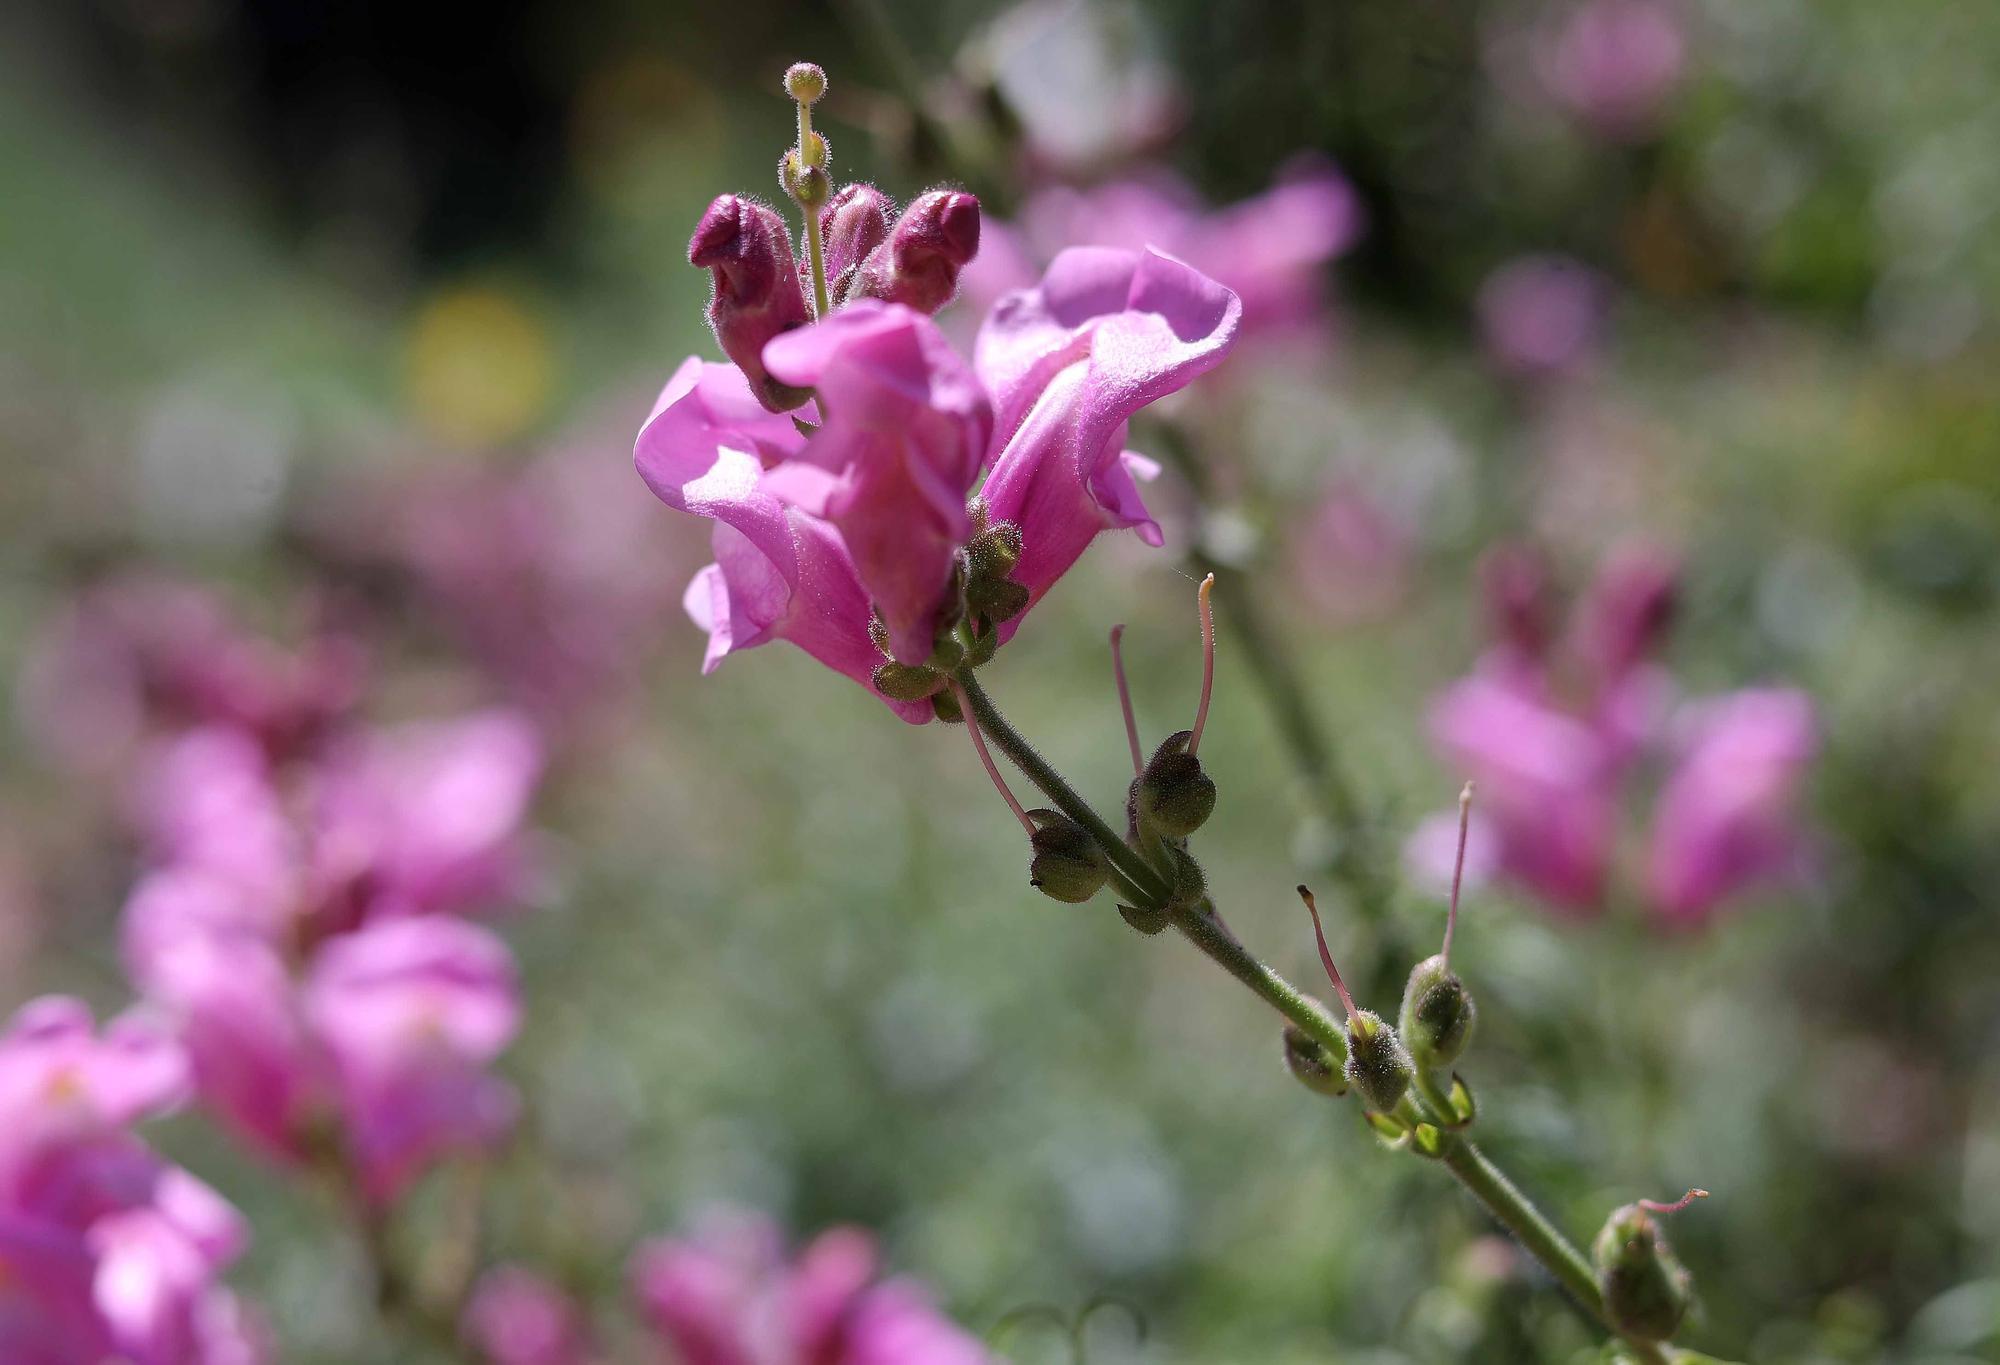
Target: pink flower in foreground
727,1296
819,531
1726,820
515,1317
106,1251
1553,727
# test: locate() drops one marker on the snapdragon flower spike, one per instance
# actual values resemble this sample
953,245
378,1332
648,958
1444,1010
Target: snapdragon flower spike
919,264
757,292
1378,1065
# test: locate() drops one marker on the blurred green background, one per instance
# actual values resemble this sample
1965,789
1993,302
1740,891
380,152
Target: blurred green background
252,252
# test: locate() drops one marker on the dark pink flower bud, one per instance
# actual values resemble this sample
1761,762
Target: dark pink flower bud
1628,609
856,222
919,264
757,292
1520,600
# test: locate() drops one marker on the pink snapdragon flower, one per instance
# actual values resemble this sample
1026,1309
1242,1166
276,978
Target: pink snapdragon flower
380,1051
1725,820
820,530
1557,727
1271,250
422,819
106,1251
728,1296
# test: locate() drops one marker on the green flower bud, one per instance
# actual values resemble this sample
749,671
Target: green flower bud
1068,864
1438,1013
1312,1064
997,599
907,682
1378,1065
805,82
1174,795
995,551
808,185
1646,1289
1147,922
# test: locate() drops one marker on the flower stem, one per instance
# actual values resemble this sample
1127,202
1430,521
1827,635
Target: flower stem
1036,769
815,246
1203,927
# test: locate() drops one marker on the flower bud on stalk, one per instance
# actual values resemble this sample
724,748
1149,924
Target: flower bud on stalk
1378,1065
1438,1012
1068,864
919,264
757,294
1312,1065
1647,1291
856,222
1173,794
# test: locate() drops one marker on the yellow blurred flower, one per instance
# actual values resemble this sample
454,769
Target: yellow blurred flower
478,367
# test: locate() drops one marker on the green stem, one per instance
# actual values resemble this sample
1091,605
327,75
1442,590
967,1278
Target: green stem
1536,1234
1036,769
815,248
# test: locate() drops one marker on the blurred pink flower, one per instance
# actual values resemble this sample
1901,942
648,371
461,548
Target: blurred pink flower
1612,64
816,530
1271,250
515,1317
132,657
1541,316
105,1249
1553,725
1726,820
1351,554
726,1296
410,1015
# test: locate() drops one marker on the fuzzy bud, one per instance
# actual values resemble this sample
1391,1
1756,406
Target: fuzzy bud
1646,1289
805,82
757,294
1378,1065
907,682
807,184
1068,864
1312,1064
1438,1013
1174,795
919,264
1146,920
855,223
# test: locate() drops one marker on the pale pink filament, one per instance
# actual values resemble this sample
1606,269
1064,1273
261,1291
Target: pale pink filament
979,743
1207,662
1655,1206
1457,869
1325,957
1125,699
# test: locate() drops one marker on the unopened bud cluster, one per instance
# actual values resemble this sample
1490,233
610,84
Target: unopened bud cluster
856,246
